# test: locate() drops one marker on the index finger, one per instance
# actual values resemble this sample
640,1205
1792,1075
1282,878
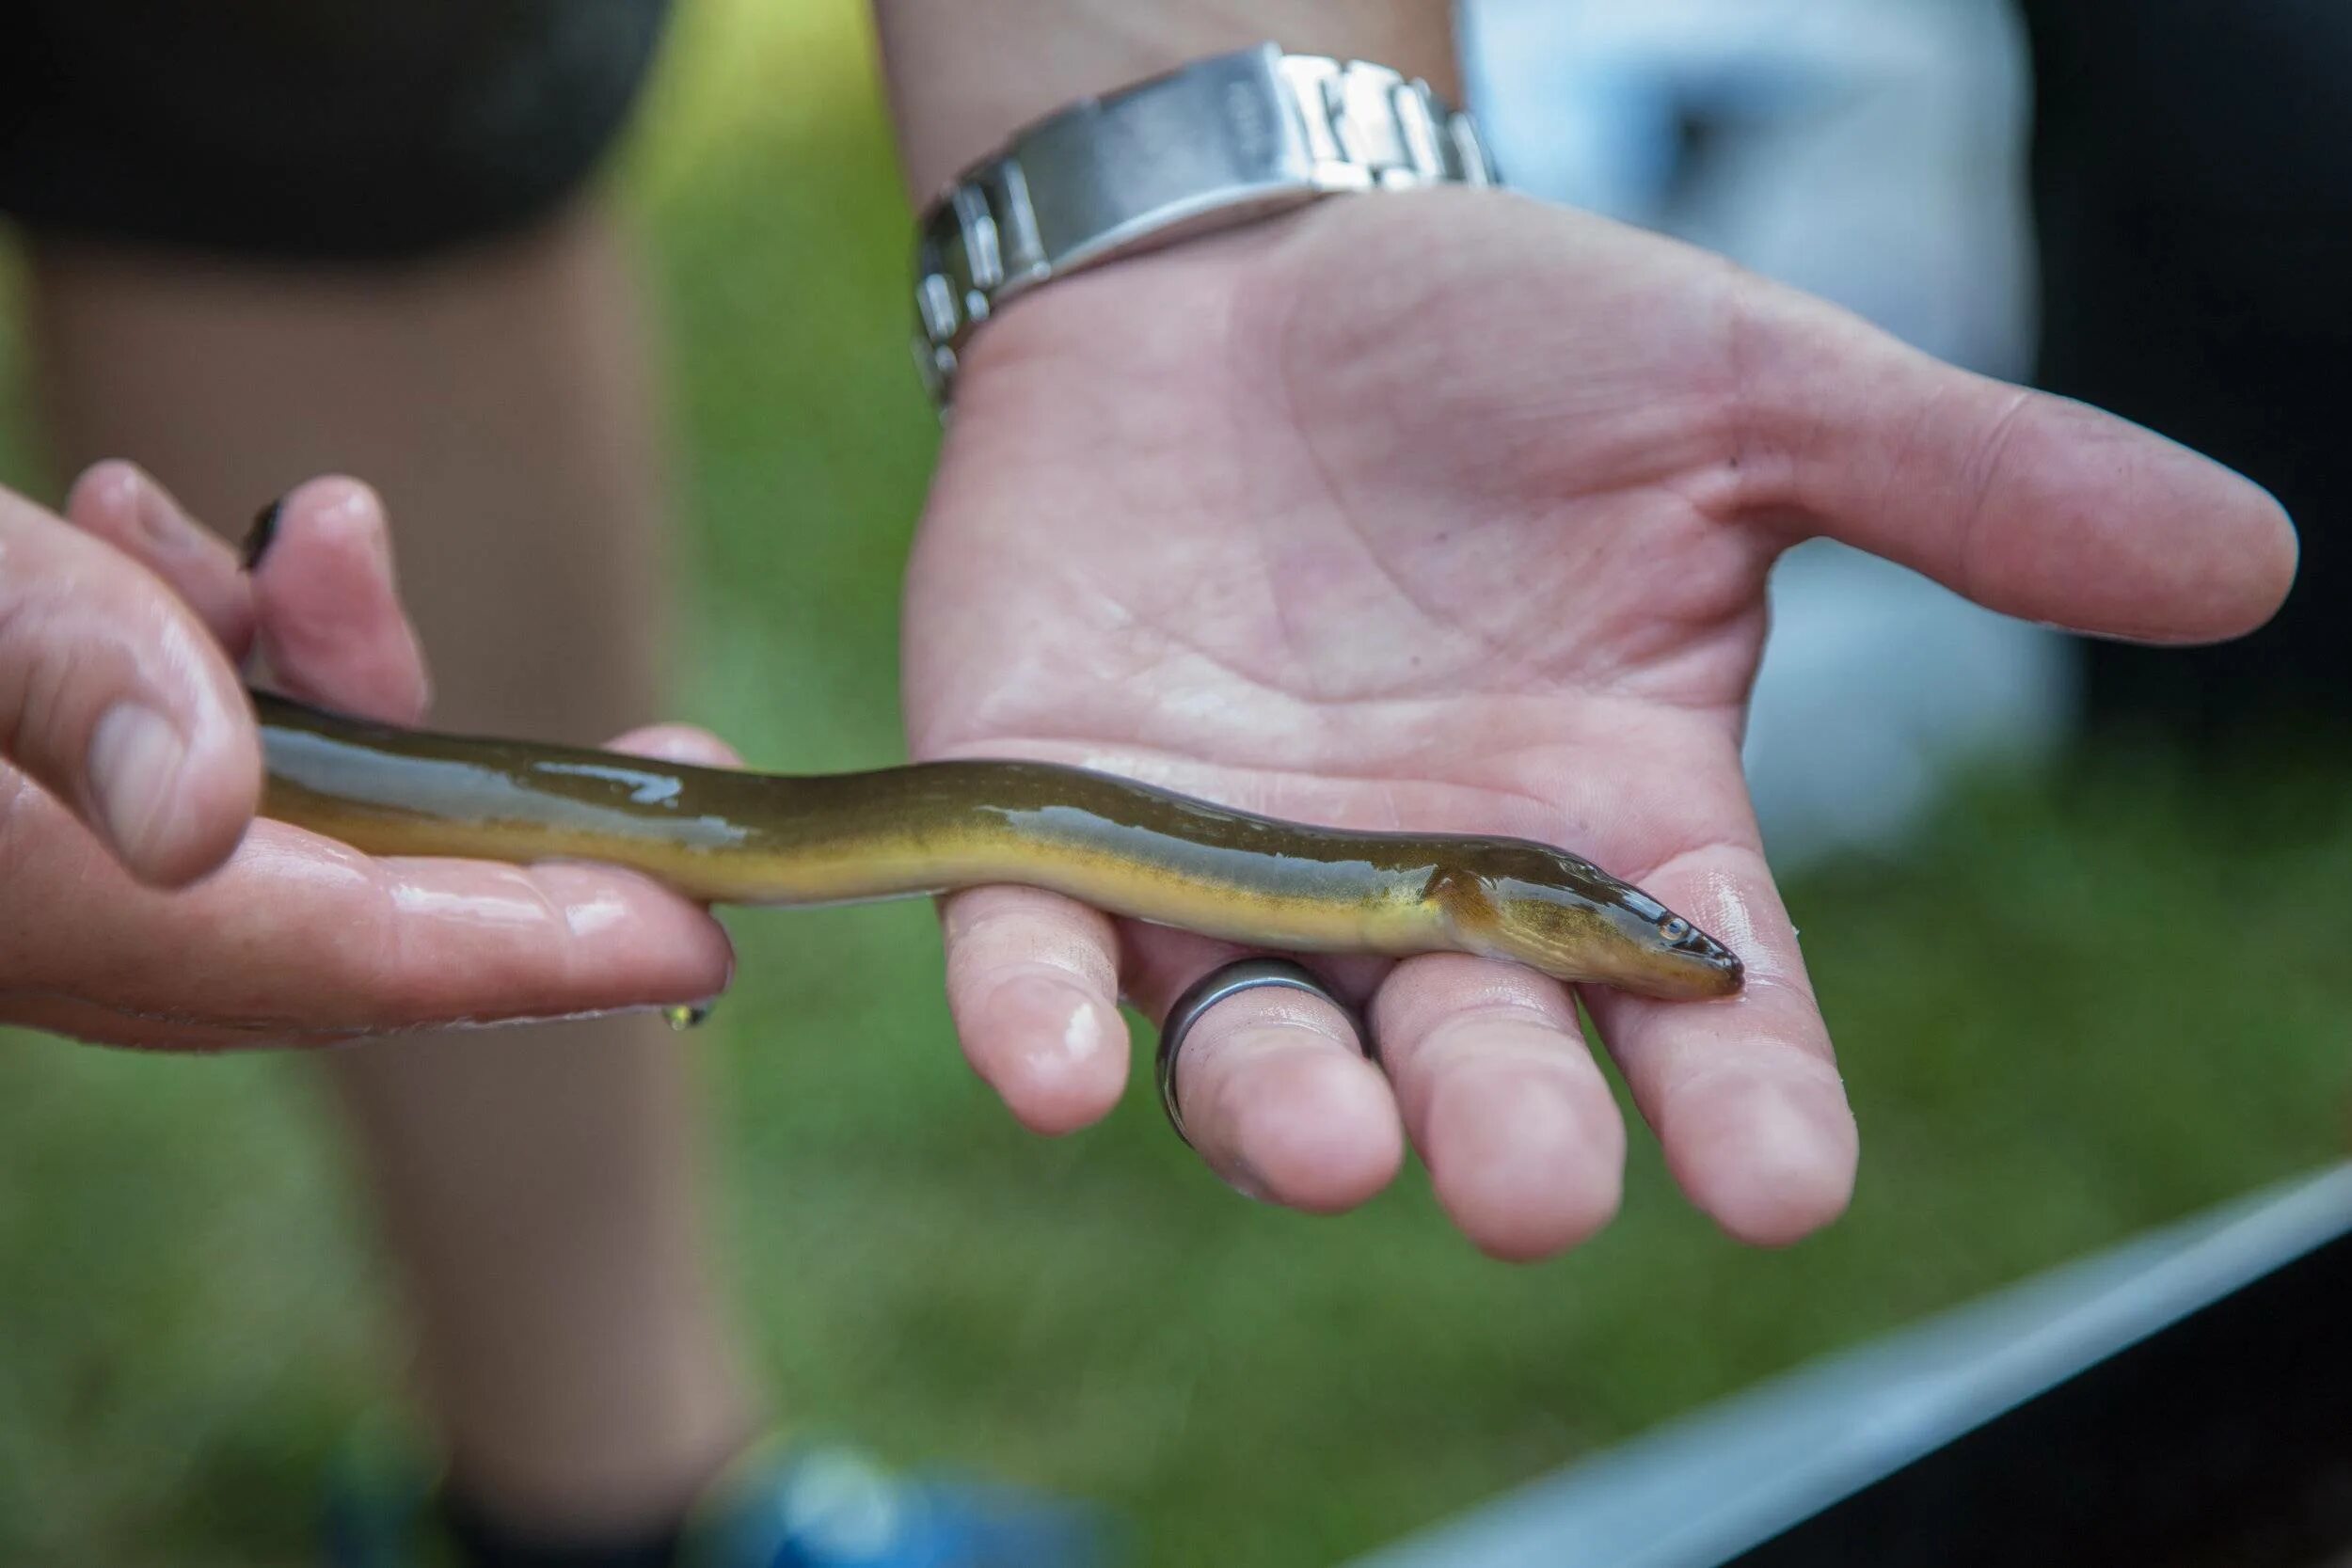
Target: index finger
297,935
1744,1093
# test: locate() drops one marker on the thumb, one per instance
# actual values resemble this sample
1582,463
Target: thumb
2030,504
115,700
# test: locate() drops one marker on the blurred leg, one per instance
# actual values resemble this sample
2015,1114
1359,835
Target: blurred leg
536,1189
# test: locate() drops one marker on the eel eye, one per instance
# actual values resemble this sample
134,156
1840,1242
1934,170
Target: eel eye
1674,927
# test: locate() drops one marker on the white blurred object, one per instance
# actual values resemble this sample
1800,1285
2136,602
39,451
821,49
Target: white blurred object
1869,151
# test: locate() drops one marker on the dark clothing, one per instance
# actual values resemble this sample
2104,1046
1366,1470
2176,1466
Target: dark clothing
2192,175
310,130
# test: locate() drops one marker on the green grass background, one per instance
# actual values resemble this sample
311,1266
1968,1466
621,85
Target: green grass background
2075,1010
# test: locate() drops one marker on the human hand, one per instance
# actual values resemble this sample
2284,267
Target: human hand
143,905
1451,512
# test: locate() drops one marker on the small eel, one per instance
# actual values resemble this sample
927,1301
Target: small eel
723,837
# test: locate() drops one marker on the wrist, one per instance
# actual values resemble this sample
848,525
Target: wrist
965,74
1219,142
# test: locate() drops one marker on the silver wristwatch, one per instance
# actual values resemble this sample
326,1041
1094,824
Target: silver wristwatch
1217,143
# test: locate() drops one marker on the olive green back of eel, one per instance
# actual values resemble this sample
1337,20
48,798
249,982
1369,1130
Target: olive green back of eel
731,837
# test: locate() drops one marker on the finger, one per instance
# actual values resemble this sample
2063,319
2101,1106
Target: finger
94,1024
2030,504
114,697
608,955
330,626
1033,987
298,936
1508,1107
1744,1093
1273,1084
118,502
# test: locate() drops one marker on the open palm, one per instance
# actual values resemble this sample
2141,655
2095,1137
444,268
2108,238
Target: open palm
1452,511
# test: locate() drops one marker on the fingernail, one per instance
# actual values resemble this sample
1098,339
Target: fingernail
263,533
135,756
1782,1134
1242,1178
595,910
1058,1023
160,517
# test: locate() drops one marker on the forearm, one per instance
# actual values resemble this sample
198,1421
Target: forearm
965,74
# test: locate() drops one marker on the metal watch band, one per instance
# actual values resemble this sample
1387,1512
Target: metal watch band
1212,145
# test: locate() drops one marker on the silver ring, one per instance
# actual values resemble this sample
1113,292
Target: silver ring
1215,987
